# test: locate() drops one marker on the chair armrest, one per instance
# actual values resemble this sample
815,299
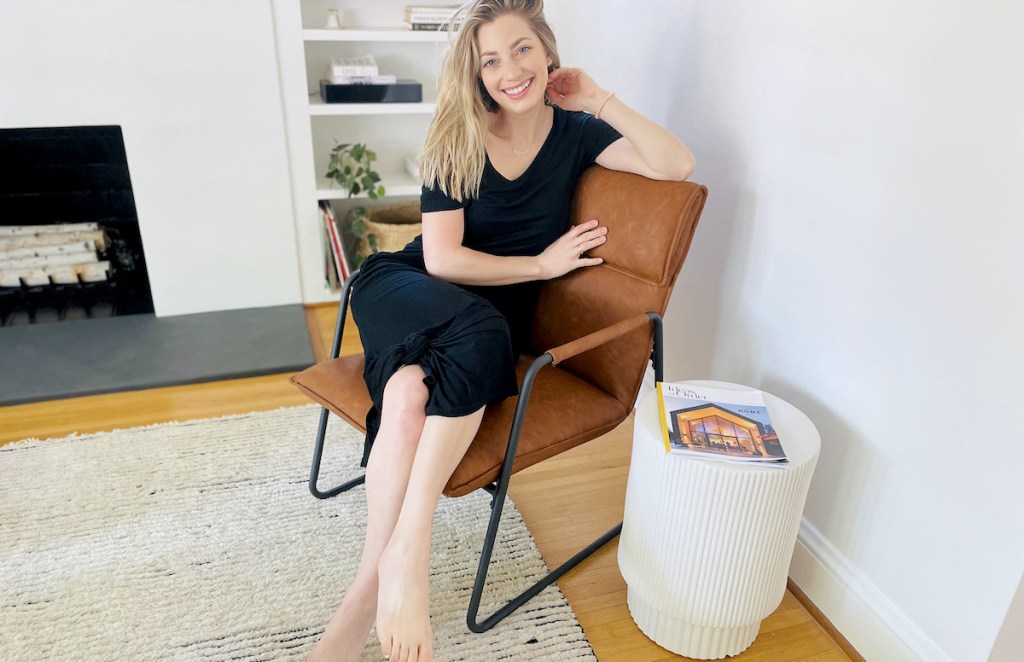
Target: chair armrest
599,337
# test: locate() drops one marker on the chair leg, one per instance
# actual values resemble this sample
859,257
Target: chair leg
314,473
498,503
318,451
528,594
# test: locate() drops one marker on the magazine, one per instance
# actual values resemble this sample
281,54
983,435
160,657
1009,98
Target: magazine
718,424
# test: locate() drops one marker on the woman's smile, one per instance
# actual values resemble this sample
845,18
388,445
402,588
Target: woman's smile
520,90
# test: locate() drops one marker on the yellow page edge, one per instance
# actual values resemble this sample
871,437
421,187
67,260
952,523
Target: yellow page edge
664,418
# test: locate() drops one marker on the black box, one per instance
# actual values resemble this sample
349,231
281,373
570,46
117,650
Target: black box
403,91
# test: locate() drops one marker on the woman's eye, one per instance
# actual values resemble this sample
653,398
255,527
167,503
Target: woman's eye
524,49
488,63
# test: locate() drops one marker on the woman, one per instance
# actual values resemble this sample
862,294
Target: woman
444,320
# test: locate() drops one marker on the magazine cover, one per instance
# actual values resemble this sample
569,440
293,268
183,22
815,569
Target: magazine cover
718,424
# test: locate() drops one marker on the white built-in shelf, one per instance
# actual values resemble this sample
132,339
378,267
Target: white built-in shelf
318,107
396,183
374,34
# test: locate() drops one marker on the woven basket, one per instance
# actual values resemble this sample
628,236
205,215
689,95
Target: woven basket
394,226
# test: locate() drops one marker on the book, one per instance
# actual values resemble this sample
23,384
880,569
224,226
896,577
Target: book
718,424
430,14
353,66
338,242
338,260
425,27
330,273
382,79
429,18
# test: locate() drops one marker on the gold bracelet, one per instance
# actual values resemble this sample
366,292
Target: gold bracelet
597,115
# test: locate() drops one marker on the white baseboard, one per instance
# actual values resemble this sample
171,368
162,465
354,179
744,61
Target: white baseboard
868,619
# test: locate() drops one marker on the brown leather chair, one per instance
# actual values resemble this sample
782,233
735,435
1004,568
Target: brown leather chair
591,340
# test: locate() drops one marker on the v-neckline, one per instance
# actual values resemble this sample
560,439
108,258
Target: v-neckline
547,139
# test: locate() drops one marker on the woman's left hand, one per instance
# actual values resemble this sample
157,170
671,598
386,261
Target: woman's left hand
572,89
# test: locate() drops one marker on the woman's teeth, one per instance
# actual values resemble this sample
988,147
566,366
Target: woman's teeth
516,91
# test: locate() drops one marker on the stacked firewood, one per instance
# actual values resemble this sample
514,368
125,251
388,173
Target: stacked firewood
52,254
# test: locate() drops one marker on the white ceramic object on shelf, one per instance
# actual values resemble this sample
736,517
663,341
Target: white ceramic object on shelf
706,545
333,19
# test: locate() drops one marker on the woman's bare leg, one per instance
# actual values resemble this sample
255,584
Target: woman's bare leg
387,475
403,621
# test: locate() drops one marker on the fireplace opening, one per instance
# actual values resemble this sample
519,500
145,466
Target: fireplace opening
70,246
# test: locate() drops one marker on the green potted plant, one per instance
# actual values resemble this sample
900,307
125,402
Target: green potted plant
351,168
385,228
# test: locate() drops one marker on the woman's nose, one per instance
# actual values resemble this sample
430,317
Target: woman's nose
513,71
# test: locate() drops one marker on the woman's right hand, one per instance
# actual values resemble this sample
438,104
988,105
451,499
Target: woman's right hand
567,252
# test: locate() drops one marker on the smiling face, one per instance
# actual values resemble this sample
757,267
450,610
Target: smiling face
513,63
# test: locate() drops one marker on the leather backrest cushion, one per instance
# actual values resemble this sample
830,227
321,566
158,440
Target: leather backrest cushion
649,222
650,228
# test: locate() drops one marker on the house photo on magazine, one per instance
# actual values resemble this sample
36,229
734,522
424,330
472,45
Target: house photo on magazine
718,424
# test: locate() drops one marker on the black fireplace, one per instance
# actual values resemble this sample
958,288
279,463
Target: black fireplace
75,177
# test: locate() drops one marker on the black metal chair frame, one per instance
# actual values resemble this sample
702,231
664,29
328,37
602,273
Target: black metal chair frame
498,489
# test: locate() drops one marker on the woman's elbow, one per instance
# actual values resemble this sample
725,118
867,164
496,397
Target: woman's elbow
433,262
681,169
685,169
430,263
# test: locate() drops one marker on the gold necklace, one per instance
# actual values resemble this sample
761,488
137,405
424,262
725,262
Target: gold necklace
516,151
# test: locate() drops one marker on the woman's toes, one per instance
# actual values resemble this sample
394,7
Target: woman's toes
385,646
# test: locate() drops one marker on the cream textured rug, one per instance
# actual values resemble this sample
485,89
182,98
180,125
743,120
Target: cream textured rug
200,541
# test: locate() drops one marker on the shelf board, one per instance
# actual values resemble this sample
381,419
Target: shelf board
374,34
395,184
318,107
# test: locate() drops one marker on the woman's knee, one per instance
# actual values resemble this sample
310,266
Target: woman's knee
405,396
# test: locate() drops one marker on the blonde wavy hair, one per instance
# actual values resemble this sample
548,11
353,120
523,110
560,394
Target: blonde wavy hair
453,156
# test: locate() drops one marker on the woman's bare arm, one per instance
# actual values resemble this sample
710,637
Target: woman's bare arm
446,258
646,147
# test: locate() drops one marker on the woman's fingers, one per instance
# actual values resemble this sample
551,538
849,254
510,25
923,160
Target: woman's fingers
587,245
582,228
581,238
594,234
587,235
599,233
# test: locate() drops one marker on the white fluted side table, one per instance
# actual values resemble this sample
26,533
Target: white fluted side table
706,545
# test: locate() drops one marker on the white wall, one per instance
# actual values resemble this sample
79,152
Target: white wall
194,86
859,256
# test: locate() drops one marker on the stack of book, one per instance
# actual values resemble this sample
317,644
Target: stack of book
355,71
336,264
358,80
423,17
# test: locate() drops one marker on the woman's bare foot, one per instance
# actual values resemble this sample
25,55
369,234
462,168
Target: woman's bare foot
403,620
345,636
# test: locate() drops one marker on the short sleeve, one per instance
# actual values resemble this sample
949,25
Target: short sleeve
595,137
433,199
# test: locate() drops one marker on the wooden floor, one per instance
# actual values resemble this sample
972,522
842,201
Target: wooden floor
591,482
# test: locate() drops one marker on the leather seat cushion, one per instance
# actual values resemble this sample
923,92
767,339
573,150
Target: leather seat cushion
564,411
